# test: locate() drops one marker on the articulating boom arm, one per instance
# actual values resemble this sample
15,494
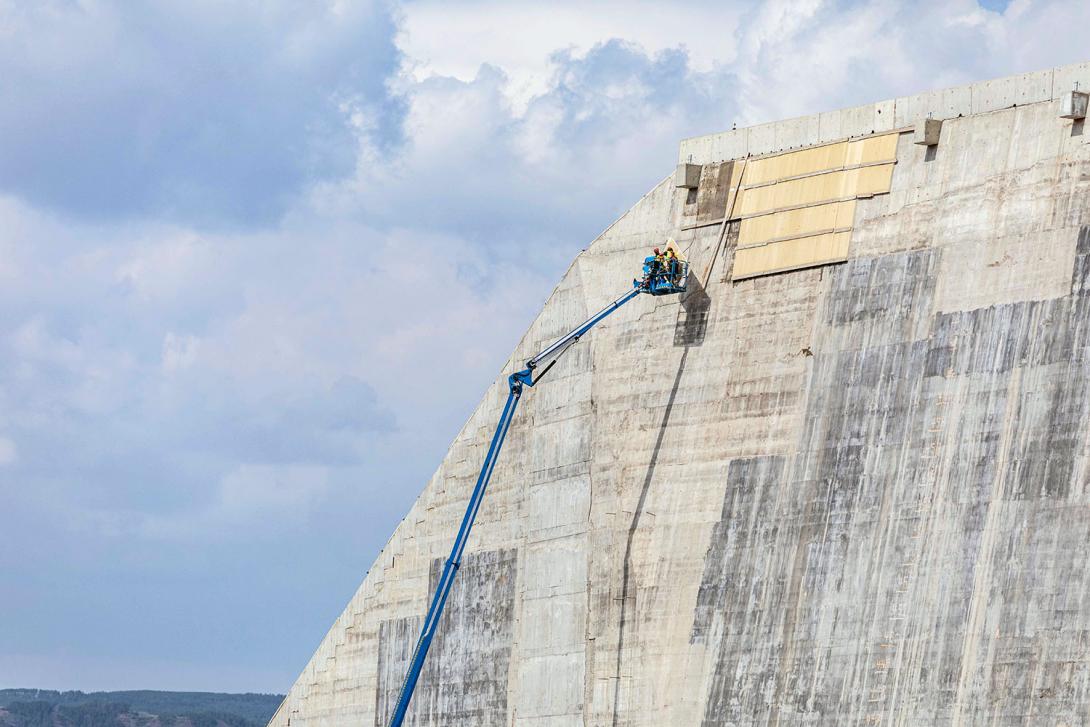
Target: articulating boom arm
553,353
450,570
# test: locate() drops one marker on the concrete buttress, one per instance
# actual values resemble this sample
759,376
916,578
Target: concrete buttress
852,493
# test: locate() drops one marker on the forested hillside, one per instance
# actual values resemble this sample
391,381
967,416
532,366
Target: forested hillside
46,708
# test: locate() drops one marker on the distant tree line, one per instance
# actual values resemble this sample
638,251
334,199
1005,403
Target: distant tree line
44,714
45,708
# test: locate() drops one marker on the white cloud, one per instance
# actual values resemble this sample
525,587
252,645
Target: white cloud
792,57
162,265
249,498
258,489
211,115
179,351
9,453
326,344
455,39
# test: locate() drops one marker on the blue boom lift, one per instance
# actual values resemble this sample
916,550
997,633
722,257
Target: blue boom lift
659,278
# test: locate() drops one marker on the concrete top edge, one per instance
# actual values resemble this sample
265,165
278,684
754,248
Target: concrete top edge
885,116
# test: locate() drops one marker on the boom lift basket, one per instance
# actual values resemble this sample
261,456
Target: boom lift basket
664,283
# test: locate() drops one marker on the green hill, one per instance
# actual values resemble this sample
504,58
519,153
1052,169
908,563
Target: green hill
144,708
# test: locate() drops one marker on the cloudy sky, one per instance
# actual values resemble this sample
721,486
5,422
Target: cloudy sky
259,261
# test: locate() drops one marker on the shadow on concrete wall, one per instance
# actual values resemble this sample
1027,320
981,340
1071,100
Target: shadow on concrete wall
689,331
692,318
626,573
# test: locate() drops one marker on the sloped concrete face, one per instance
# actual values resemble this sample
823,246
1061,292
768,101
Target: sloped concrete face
853,494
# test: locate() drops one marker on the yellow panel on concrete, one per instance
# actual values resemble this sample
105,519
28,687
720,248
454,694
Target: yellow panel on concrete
872,150
797,209
835,216
818,159
796,163
803,252
869,181
737,172
816,189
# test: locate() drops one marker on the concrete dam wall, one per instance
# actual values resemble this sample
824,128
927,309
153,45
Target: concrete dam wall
842,480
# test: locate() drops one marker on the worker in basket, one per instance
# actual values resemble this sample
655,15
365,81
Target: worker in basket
670,264
652,268
661,270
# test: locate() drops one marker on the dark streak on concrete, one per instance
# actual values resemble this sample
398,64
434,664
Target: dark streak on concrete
737,539
829,606
708,202
396,639
734,581
730,246
465,675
